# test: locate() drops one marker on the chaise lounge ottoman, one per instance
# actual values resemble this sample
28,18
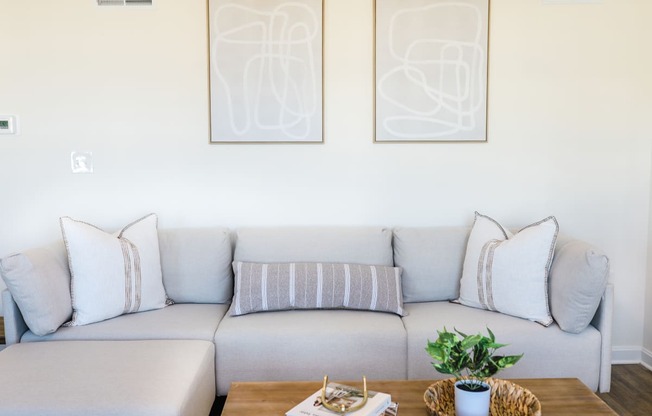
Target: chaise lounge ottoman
162,377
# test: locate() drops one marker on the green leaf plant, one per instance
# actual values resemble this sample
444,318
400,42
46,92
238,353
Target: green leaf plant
469,356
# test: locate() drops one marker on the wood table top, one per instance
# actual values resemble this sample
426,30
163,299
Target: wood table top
558,396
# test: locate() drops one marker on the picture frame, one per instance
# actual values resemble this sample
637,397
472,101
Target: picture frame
431,70
265,71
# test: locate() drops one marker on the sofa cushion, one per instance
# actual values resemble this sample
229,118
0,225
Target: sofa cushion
113,274
178,321
549,351
578,278
132,378
196,264
282,286
306,345
39,282
361,245
509,273
431,260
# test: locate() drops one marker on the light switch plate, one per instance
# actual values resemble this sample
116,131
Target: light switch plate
81,162
8,125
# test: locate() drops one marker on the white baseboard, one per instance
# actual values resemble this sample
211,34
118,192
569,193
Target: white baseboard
646,360
626,355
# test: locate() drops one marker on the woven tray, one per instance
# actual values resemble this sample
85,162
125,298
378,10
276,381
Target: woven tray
507,399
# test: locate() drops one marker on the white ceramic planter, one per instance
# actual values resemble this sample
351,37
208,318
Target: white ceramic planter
472,403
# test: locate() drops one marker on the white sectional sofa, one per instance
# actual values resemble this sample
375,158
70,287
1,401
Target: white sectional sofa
345,344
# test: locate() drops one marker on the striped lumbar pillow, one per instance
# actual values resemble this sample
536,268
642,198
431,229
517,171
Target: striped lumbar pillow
509,273
113,274
282,286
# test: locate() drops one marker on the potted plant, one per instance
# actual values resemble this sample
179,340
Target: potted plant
471,360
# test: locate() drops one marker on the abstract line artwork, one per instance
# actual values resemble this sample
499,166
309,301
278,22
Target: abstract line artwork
431,70
265,70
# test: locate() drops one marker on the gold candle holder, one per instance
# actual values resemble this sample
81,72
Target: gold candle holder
342,408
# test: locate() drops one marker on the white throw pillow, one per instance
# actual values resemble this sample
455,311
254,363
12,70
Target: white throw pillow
509,273
113,274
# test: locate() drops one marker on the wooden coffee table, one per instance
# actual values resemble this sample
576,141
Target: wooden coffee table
558,396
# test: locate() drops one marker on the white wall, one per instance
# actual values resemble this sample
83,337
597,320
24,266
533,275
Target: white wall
569,105
647,340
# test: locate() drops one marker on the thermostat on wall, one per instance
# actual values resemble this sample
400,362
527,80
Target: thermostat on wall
8,125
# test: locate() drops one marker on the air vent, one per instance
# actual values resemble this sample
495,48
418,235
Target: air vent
124,2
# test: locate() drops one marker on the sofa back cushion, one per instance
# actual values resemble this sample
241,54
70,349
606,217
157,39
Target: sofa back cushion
196,264
432,260
361,245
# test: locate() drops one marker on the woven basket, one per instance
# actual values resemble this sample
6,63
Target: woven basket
507,399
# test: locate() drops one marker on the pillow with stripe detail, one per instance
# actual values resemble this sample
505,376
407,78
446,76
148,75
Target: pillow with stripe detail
263,287
113,274
509,273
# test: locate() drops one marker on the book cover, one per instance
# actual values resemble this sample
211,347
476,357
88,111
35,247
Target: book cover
392,410
338,394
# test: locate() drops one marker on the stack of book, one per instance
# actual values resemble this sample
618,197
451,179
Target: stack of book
378,404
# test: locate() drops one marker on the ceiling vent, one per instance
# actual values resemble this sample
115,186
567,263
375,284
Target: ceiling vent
124,2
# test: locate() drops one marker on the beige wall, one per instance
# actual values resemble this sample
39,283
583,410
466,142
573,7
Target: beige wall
569,133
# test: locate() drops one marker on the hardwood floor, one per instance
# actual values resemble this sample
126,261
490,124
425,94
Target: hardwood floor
631,390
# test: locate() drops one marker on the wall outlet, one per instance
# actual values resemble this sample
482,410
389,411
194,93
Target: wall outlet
81,162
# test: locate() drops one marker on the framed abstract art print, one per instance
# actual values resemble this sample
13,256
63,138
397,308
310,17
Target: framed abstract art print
265,71
431,59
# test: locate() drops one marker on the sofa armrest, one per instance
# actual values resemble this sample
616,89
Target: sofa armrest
15,325
603,322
